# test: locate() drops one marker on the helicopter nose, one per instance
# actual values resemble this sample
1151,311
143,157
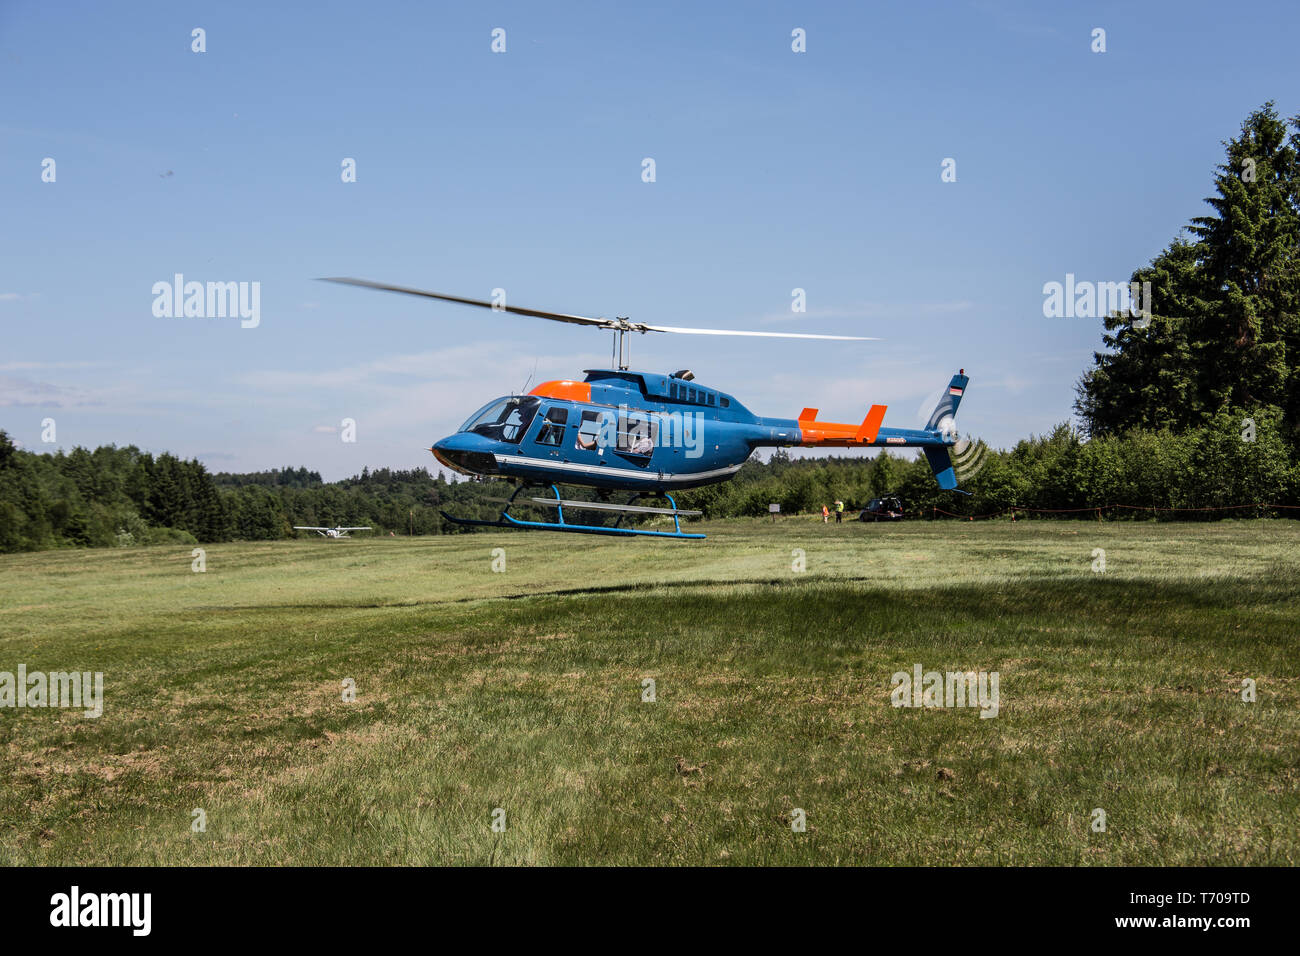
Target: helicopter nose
465,454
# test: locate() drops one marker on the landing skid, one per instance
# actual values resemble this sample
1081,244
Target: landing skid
507,520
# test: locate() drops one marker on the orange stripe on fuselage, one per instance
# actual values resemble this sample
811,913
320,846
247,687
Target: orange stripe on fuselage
564,389
814,433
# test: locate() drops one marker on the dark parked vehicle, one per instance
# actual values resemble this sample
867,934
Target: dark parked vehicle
888,508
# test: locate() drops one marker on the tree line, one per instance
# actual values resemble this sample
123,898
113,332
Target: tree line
125,496
1199,408
1224,464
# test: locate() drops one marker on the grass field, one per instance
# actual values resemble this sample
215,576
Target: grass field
522,690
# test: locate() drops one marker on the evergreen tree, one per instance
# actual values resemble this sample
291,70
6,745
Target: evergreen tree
1225,330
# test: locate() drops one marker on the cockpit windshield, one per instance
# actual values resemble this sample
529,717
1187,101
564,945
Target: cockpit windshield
505,419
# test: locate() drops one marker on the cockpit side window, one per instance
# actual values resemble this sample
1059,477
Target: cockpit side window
506,419
478,415
552,430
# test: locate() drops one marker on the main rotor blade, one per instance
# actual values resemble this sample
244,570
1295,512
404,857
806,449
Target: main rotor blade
766,335
496,307
583,319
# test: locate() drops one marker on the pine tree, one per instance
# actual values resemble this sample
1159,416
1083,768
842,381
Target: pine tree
1225,330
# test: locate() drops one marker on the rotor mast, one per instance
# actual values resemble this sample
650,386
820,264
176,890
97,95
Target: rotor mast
621,354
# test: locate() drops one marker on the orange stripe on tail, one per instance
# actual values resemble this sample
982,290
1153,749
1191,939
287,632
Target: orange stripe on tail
871,424
813,432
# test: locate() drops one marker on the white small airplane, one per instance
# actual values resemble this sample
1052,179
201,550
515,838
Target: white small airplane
335,532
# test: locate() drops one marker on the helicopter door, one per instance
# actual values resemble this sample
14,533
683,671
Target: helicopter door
552,431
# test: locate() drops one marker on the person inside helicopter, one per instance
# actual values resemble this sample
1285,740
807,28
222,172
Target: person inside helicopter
505,419
589,432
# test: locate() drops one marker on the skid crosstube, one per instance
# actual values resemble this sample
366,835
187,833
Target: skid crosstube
507,520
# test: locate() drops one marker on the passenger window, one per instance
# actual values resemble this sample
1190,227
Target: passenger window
637,435
589,431
552,430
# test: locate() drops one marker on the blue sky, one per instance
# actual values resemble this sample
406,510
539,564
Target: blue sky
476,170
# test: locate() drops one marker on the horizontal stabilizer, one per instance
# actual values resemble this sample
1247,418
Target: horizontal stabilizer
871,424
813,433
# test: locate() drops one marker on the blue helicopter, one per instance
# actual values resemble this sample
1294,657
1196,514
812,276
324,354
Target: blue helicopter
645,433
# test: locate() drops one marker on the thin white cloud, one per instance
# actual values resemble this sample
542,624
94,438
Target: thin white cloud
23,392
34,366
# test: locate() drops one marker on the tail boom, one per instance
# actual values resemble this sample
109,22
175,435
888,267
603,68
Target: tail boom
938,435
